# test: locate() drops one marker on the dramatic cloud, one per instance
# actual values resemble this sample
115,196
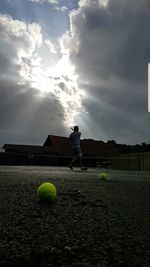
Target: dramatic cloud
28,118
61,9
109,45
91,72
42,1
38,89
53,1
28,115
51,46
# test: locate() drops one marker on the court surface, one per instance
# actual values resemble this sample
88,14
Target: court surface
91,223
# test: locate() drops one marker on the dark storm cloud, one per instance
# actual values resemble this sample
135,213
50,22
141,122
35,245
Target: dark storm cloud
26,116
111,56
116,115
117,38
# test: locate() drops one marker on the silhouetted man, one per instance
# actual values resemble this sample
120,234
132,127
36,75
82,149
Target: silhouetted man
75,143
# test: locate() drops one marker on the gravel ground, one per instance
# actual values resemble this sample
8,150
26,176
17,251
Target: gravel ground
91,223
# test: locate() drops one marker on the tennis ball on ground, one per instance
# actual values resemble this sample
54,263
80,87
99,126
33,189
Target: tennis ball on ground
103,176
46,192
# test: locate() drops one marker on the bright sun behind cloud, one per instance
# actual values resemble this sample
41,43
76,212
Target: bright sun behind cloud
58,80
34,65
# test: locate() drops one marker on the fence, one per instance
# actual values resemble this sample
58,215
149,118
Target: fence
138,161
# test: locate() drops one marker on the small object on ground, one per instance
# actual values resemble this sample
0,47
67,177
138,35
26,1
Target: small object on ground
75,192
46,192
81,203
70,167
84,168
97,203
103,176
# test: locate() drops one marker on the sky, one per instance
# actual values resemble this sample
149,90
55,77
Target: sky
74,62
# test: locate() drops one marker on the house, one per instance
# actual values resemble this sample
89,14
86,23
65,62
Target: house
28,155
57,150
29,149
90,148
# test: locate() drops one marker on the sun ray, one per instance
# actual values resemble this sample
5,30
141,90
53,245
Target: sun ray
58,80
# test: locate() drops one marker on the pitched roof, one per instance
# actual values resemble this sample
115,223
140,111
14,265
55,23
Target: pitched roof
62,144
89,147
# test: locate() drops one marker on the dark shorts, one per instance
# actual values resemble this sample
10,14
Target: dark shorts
77,151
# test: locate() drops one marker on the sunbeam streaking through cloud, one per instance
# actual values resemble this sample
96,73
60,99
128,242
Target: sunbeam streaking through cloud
77,62
58,80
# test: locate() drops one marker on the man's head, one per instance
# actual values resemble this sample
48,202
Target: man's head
76,128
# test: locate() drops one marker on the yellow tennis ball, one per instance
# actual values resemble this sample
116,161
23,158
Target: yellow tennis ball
46,192
103,176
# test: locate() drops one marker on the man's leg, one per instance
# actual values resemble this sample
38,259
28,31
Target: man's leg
81,164
80,160
72,162
77,155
